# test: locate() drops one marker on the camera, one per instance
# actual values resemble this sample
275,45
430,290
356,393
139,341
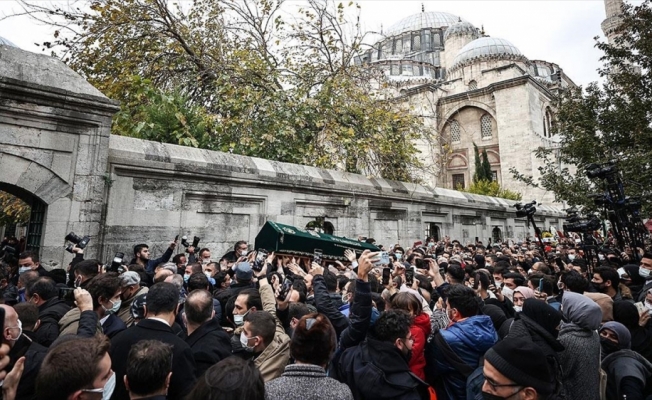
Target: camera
601,170
583,225
195,241
525,210
116,263
10,254
80,242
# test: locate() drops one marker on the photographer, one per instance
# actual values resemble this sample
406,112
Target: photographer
142,256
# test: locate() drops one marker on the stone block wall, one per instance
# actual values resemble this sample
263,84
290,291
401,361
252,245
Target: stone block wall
157,191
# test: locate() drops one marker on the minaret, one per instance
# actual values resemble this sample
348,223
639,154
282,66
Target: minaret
609,25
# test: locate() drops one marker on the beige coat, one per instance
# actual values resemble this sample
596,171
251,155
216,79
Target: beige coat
125,307
272,361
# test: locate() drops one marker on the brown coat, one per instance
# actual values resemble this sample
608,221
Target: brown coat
125,307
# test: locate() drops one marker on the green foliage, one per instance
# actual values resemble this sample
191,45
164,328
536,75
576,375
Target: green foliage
260,78
13,211
608,121
490,188
486,167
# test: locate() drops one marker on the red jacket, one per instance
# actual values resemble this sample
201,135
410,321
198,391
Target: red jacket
420,330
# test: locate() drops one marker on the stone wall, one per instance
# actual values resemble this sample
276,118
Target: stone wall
157,191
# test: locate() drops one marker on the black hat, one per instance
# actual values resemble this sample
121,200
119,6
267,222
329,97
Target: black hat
522,362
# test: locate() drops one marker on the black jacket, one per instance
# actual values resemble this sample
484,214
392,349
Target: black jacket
10,294
34,354
183,364
377,370
50,313
329,305
210,344
112,326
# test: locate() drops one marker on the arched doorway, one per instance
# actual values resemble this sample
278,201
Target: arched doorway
432,230
496,235
22,209
321,226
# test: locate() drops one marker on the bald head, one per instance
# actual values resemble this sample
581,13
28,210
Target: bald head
161,275
12,328
199,307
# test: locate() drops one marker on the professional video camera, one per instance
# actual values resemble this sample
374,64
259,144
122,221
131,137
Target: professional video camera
80,242
526,210
601,171
578,224
195,242
117,264
9,254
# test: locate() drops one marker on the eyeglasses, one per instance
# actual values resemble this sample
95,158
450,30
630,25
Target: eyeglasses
495,386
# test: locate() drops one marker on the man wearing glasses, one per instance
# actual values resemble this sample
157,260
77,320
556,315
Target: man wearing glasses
517,369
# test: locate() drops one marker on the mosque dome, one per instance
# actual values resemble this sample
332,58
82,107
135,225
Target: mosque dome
5,42
422,20
487,47
461,28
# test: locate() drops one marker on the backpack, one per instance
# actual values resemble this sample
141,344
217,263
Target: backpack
474,376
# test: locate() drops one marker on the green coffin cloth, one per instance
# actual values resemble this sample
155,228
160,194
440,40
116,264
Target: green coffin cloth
286,239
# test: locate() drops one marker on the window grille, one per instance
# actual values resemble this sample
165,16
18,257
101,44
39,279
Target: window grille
485,126
455,132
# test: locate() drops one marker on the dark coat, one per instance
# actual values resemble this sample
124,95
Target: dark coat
327,305
50,313
210,344
10,294
377,370
183,364
112,326
34,354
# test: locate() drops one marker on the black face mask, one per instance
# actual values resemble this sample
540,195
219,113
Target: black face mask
608,346
489,396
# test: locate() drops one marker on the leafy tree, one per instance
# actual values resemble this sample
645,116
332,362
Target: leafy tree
491,188
479,171
254,77
486,167
13,211
606,121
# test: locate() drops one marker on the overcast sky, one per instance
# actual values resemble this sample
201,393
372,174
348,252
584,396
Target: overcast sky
558,31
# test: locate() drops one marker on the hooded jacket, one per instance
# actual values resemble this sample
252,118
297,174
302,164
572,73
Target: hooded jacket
420,330
469,339
377,370
581,359
626,364
50,313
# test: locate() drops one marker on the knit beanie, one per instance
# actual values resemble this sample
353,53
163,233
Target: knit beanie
523,362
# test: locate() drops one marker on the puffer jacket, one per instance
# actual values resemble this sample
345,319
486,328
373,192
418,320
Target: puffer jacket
469,339
420,330
377,370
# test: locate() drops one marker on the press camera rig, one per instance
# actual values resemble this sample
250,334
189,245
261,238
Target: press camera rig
623,212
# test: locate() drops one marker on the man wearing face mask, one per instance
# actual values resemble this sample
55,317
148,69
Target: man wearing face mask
22,346
645,271
378,367
44,294
469,336
105,291
130,282
516,369
160,310
29,261
627,371
239,250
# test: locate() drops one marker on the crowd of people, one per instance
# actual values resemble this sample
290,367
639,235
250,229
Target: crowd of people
437,320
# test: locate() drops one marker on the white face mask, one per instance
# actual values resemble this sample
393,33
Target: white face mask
109,387
239,319
244,252
244,341
518,308
643,272
22,270
509,293
600,257
571,257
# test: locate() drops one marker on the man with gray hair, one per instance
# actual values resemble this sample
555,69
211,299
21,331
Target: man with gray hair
130,290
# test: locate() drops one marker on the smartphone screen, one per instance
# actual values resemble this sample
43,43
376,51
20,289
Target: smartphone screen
317,256
409,277
287,285
386,275
541,285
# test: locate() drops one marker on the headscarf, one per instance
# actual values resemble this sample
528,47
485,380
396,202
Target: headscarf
496,314
626,313
544,315
624,337
581,311
525,291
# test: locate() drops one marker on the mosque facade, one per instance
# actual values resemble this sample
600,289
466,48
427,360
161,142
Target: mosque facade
471,89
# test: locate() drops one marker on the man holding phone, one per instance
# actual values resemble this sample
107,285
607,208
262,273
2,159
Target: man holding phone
142,256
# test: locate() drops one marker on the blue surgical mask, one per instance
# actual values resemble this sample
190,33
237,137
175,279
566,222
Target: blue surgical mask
22,270
109,387
186,278
398,256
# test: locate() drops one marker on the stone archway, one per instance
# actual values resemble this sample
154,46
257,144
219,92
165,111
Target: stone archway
54,143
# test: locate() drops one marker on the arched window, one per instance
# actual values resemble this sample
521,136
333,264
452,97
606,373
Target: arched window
456,136
473,85
548,124
486,126
497,235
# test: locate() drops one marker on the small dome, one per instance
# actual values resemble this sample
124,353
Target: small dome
422,20
5,42
462,28
486,47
